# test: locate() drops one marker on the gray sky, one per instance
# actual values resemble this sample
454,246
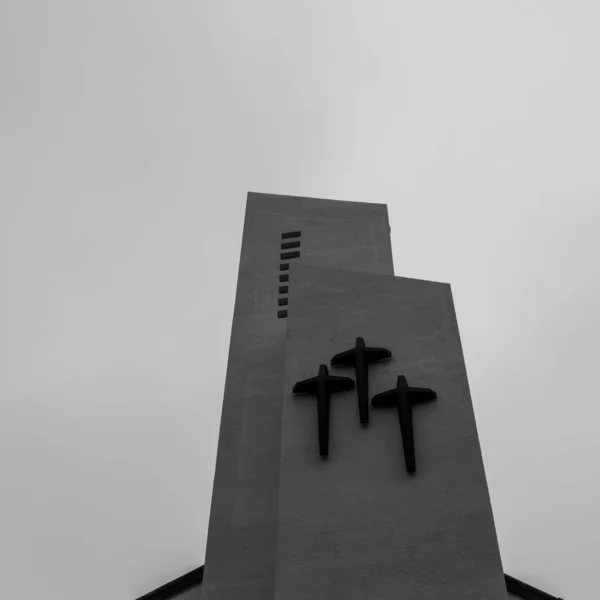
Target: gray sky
130,133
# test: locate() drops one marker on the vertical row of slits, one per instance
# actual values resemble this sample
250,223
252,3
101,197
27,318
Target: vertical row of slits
290,248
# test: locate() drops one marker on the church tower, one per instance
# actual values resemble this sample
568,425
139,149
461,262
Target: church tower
348,463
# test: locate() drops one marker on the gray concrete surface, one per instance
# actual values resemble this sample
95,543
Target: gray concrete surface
357,526
240,554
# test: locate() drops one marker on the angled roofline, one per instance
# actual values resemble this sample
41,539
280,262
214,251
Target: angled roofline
194,578
524,590
177,586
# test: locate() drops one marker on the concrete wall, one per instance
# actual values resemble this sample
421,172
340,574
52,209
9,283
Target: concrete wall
357,526
240,554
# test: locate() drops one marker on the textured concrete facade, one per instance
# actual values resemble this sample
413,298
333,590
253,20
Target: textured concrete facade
357,526
286,524
241,547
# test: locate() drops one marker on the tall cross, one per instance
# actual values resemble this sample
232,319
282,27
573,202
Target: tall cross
403,397
360,357
322,386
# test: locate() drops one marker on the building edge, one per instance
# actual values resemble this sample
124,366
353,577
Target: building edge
171,590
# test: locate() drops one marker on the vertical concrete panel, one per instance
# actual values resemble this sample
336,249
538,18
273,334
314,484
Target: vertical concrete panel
357,526
240,555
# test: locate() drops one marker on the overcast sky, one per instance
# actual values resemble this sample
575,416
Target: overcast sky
130,133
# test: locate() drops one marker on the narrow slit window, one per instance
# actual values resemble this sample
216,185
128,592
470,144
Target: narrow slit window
290,234
288,255
288,245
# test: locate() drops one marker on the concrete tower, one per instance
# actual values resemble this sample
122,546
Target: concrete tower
284,524
348,464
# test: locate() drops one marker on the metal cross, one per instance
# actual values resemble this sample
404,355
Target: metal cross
322,386
403,397
360,357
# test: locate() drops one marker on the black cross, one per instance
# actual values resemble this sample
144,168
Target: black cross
322,386
360,357
403,397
